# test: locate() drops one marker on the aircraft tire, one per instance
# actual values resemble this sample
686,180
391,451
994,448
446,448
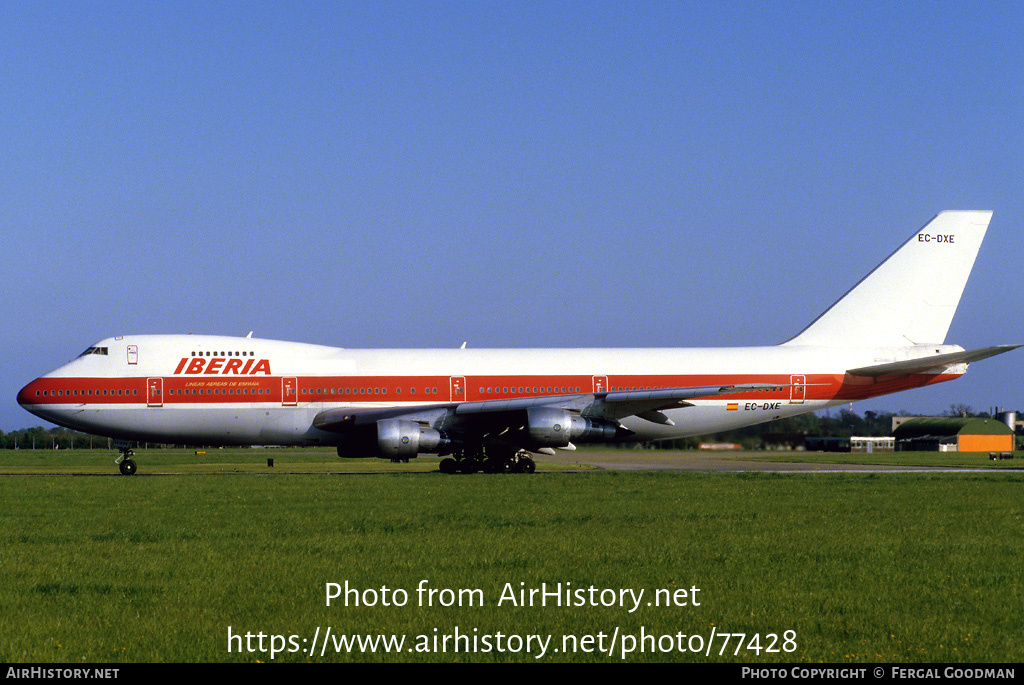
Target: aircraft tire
128,467
527,465
448,465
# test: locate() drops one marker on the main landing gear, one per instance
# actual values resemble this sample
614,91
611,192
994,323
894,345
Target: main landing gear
472,461
125,462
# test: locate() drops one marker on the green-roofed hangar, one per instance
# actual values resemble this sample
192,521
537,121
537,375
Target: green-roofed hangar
953,435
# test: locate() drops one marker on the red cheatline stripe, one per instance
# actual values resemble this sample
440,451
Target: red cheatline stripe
216,389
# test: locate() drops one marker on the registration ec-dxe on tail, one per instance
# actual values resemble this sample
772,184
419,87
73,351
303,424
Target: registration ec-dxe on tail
490,409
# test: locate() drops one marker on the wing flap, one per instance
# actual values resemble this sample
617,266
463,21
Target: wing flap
619,405
935,363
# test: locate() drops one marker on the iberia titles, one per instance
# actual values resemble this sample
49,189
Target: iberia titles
223,365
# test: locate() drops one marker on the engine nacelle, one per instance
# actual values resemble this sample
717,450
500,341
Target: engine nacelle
401,439
551,427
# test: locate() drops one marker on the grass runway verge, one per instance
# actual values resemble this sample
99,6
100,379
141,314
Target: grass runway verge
862,567
319,460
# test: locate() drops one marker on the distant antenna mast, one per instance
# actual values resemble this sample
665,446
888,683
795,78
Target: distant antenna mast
250,334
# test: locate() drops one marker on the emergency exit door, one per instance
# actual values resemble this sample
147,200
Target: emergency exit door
458,386
155,392
798,389
289,392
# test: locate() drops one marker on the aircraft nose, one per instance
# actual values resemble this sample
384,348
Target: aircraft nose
27,395
32,399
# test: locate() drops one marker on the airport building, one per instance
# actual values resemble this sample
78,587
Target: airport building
849,444
946,434
872,444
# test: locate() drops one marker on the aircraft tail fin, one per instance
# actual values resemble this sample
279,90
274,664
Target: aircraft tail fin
910,298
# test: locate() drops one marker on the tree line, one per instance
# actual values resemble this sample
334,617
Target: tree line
40,438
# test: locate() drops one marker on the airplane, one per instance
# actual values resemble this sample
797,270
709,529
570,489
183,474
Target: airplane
491,410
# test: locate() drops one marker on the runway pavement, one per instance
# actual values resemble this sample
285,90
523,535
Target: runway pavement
711,461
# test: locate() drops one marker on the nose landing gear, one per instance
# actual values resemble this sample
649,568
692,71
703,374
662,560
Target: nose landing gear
125,462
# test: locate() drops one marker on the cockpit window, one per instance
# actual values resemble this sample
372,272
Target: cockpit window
94,350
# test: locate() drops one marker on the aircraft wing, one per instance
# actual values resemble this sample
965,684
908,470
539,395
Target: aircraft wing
935,363
617,405
610,406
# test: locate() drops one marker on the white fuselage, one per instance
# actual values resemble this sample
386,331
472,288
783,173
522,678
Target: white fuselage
191,389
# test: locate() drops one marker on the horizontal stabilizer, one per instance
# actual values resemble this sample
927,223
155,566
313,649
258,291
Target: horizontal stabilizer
936,362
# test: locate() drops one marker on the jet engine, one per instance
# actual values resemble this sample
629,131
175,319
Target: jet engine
401,440
552,427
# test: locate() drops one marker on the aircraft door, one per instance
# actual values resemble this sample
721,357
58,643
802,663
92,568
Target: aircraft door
133,354
458,388
600,383
154,392
798,391
289,392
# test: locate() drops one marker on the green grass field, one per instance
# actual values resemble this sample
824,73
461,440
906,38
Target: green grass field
862,567
313,460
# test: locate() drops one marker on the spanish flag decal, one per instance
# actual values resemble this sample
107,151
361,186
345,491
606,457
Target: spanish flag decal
732,406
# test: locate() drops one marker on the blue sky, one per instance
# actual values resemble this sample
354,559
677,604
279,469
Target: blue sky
515,174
